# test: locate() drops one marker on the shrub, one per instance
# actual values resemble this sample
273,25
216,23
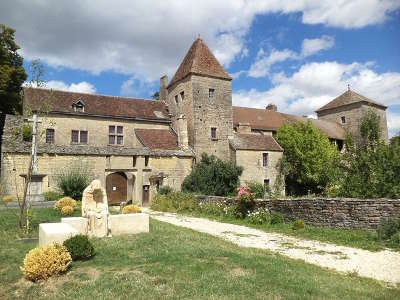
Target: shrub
260,216
298,224
212,176
52,196
388,227
27,133
7,199
244,202
65,201
174,202
67,210
395,240
79,247
277,218
131,209
256,188
164,190
43,262
212,208
73,180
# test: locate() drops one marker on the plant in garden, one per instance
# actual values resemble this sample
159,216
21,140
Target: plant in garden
256,188
244,202
67,210
52,196
277,218
164,190
65,201
212,176
388,227
7,199
259,216
174,202
79,247
73,180
298,224
43,262
131,209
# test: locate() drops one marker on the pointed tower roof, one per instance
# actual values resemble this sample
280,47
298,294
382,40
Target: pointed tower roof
199,60
348,97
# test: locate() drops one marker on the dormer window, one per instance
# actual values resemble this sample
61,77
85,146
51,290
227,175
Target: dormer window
79,106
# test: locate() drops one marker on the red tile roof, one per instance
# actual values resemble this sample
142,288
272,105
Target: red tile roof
62,101
348,97
199,60
259,142
269,120
157,139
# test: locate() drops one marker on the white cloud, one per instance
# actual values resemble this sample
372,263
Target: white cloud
312,46
149,38
315,84
393,123
81,87
263,62
135,87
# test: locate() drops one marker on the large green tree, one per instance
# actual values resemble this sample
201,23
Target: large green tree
309,160
12,72
212,176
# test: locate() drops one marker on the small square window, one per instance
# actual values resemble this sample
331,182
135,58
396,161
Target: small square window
211,93
75,136
83,137
111,129
213,132
50,136
343,119
265,159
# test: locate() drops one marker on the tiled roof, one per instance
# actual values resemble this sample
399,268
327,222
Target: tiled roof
348,97
157,139
260,142
269,120
61,101
199,60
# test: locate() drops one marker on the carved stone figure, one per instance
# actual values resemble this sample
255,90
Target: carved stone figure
95,208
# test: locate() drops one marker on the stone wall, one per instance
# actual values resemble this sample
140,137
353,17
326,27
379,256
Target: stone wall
342,213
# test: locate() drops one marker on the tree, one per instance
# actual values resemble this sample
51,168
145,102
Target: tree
156,96
212,176
309,159
12,73
370,129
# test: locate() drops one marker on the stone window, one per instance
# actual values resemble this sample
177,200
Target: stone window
50,136
75,136
182,96
266,185
134,161
146,161
115,135
213,133
265,159
176,100
79,137
211,93
343,119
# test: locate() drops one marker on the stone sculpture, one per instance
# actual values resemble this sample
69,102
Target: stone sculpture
95,209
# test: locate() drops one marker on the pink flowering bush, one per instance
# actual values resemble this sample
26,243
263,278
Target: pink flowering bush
244,202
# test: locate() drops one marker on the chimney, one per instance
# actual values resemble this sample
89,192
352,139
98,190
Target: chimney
272,107
244,128
163,88
181,126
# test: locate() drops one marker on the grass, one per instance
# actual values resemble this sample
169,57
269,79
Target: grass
173,263
358,238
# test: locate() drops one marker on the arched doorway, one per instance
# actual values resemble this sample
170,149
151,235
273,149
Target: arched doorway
116,187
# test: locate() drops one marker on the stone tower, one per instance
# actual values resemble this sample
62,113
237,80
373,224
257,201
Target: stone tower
348,110
201,93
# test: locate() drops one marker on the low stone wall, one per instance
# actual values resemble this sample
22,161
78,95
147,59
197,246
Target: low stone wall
333,212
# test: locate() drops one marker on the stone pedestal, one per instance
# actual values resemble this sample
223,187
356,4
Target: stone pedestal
35,188
50,233
128,224
78,223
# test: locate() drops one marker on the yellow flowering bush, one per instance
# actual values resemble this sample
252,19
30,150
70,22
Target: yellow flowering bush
43,262
8,199
131,209
67,210
65,201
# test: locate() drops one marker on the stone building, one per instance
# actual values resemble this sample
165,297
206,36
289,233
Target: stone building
134,146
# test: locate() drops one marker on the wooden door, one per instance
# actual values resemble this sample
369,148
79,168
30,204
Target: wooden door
146,193
116,186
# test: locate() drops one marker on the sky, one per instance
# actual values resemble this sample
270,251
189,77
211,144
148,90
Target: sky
298,55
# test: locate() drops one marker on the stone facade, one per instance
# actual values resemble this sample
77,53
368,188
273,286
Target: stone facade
332,212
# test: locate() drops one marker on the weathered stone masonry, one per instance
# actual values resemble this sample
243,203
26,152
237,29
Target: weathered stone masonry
337,212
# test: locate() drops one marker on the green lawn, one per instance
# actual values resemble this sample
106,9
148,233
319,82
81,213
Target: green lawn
173,262
358,238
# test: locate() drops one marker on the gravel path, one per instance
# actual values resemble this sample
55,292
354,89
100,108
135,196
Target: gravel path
383,265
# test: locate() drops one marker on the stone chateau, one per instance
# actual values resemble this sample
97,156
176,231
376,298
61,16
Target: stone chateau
134,146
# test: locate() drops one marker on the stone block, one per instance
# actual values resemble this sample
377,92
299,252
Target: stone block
55,233
78,223
128,224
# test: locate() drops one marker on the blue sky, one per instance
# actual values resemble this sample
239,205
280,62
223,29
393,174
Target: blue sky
296,54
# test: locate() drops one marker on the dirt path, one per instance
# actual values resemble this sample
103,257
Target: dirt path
383,265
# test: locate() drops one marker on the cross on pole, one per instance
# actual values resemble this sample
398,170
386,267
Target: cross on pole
35,121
